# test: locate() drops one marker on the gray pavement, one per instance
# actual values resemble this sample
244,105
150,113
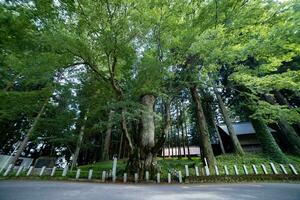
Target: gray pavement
51,190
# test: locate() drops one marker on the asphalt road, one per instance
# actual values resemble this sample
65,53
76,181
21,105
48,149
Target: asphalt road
51,190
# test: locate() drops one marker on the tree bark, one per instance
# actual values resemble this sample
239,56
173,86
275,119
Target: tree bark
287,131
268,143
202,128
220,138
79,142
178,133
120,146
28,135
142,158
107,140
283,101
187,138
236,144
147,133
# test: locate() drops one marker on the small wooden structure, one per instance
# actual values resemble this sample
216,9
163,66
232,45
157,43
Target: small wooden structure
246,135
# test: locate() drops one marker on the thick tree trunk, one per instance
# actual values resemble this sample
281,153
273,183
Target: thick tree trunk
147,133
290,135
236,144
143,159
283,101
287,131
79,141
107,140
202,127
268,143
28,135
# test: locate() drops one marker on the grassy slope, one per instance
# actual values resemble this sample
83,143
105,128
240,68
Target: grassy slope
172,164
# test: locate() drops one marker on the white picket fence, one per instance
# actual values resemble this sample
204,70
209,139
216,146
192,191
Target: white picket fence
175,176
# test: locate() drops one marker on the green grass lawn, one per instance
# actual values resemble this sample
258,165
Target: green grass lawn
173,164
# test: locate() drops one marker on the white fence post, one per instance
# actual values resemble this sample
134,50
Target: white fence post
29,171
53,171
217,170
283,169
136,177
158,178
187,173
169,178
147,176
90,176
19,171
273,168
10,166
78,174
114,169
125,178
65,170
236,171
180,177
207,173
254,169
196,170
293,169
264,169
226,170
103,176
42,170
245,169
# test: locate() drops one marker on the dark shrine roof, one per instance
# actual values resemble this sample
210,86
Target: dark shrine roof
241,128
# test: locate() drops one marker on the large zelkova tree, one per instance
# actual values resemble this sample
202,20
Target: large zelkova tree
105,40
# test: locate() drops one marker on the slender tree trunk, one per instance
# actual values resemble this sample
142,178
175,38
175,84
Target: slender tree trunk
202,127
178,132
79,142
220,138
121,145
28,135
172,140
169,144
124,149
183,139
269,145
125,131
107,140
187,138
236,144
